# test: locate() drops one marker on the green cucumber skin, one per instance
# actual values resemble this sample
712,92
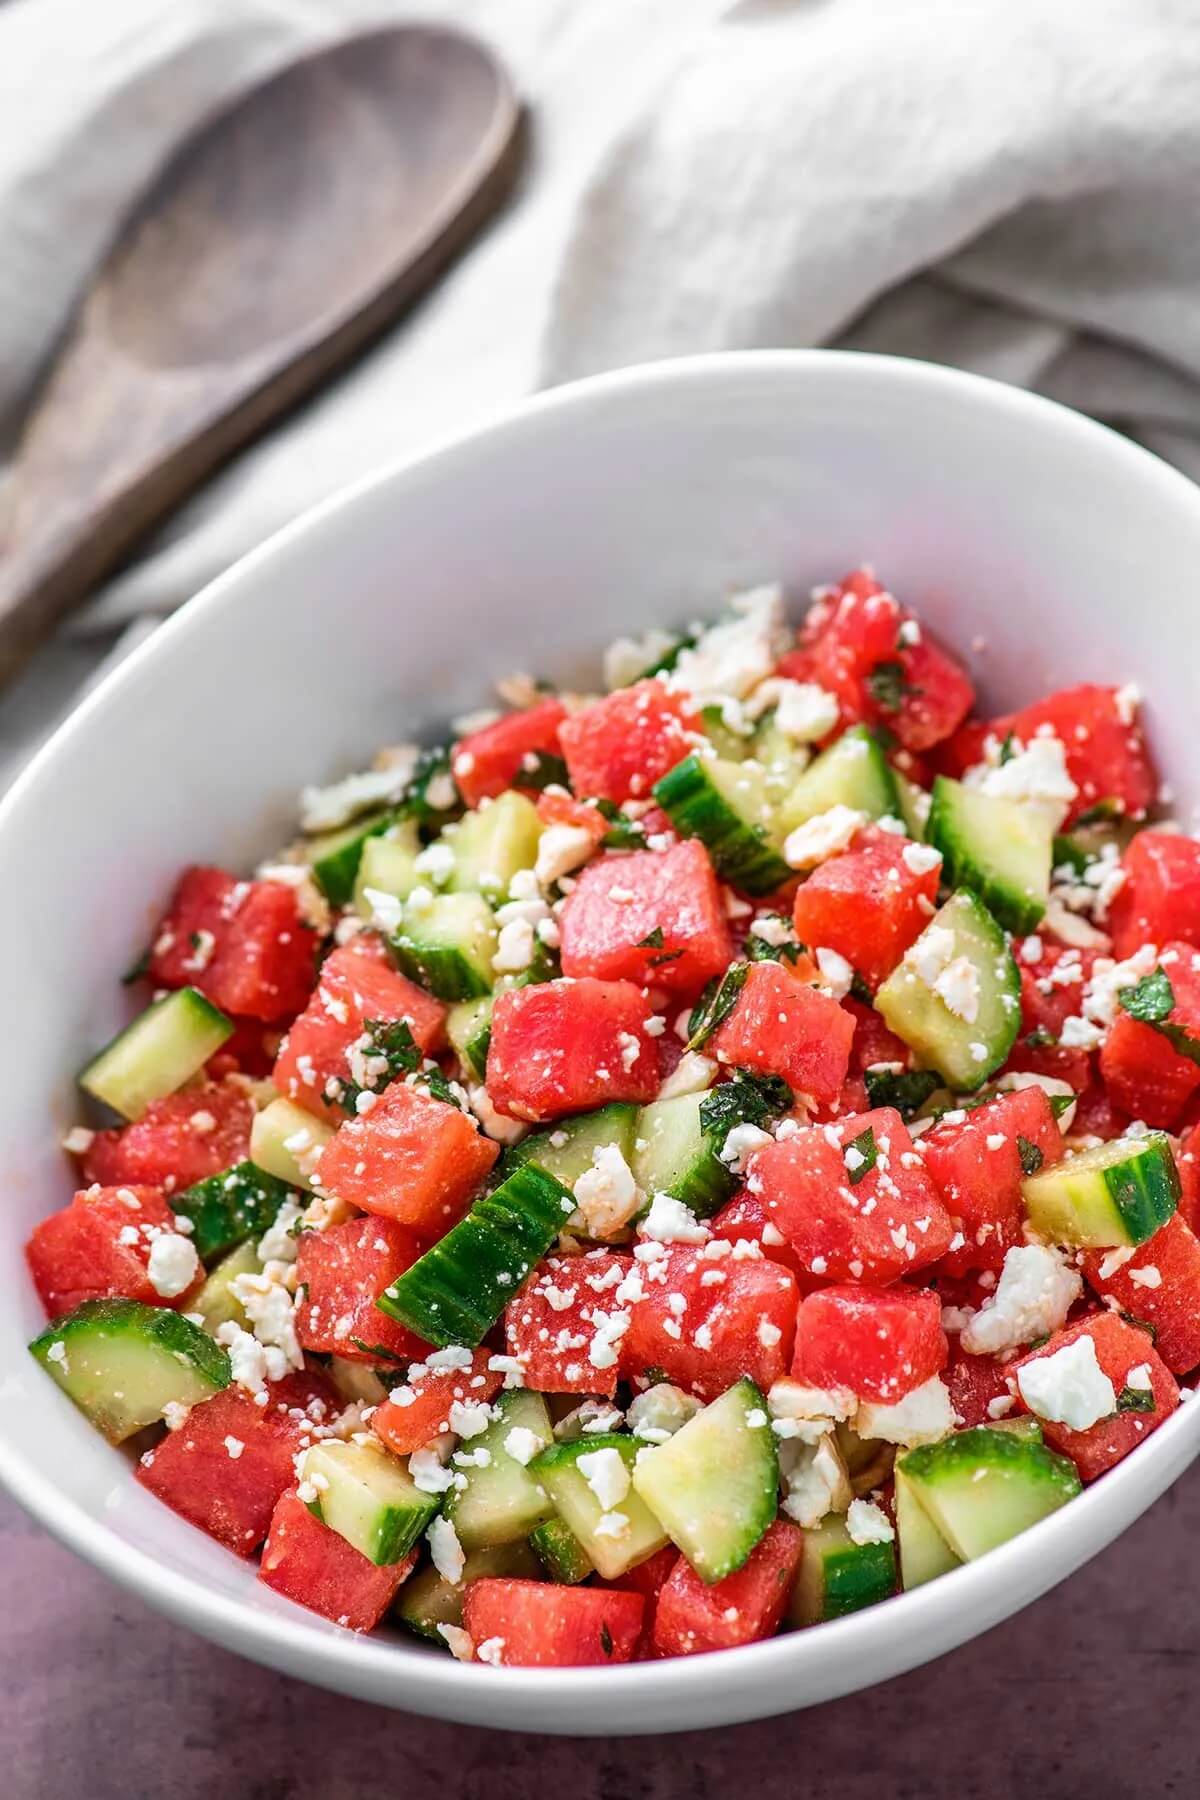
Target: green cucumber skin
740,852
1142,1181
196,1019
228,1208
1146,1190
844,774
585,1132
1014,909
170,1339
428,1600
336,872
560,1553
975,1514
688,1168
502,1502
442,969
457,1291
914,1013
858,1578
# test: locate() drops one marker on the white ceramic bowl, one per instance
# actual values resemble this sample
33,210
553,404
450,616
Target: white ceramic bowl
1051,548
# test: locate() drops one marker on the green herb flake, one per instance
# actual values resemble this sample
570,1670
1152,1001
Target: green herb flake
1008,749
889,685
137,970
1152,999
393,1041
748,1099
715,1004
1031,1156
653,941
864,1145
440,1088
541,769
606,1643
1135,1399
906,1091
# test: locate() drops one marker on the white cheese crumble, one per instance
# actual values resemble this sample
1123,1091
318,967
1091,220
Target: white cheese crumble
445,1550
815,1480
691,1075
730,659
607,1474
1035,774
278,1242
921,858
921,1417
740,1144
868,1523
515,947
562,849
325,808
1069,1387
659,1413
522,1444
826,834
627,659
173,1264
460,1642
1140,1376
669,1221
495,1125
1036,1290
804,712
606,1195
836,973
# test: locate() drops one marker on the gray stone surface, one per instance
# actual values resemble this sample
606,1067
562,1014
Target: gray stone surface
1092,1692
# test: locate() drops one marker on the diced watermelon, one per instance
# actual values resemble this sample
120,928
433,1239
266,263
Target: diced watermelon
1096,1116
852,645
1060,1063
977,1162
741,1609
340,1274
872,1043
243,943
654,917
565,1046
618,747
556,807
251,1050
879,1343
411,1158
1160,899
886,1223
1145,1077
1160,1284
1052,982
487,761
357,983
179,1140
307,1562
746,1217
780,1026
427,1394
1120,1348
99,1245
707,1319
974,1383
538,1624
1187,1160
867,904
226,1466
648,1578
560,1323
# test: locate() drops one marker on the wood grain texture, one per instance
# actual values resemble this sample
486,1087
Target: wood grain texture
1092,1692
281,238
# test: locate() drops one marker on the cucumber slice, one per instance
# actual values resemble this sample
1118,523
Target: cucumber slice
428,1600
287,1142
730,746
924,1552
674,1155
164,1047
566,1151
838,1576
914,806
1119,1193
714,1485
1000,849
469,1029
503,1501
493,844
367,1497
122,1363
559,1472
336,856
853,772
228,1208
964,1051
455,1293
448,945
216,1302
982,1487
561,1554
725,805
388,866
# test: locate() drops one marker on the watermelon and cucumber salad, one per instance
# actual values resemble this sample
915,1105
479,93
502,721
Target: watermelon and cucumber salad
664,1166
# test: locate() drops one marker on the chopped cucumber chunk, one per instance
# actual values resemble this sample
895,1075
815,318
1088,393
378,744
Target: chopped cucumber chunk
615,1537
981,1487
725,805
226,1209
455,1293
566,1150
448,945
428,1600
1119,1193
915,804
853,772
287,1142
164,1047
123,1363
493,844
838,1576
1000,849
955,998
714,1485
368,1497
731,746
216,1303
674,1155
388,866
561,1554
924,1552
502,1501
469,1029
336,856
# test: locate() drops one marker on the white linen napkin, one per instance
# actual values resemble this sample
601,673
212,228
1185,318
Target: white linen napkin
1012,188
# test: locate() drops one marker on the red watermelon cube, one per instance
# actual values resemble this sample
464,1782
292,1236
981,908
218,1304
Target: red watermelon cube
1187,1161
618,747
497,756
1121,1350
1053,977
975,1382
781,1026
226,1466
183,1138
537,1624
1160,1284
741,1609
848,1217
242,943
358,982
98,1246
706,1318
419,1409
977,1161
567,1046
1106,754
412,1158
870,903
307,1562
556,807
1144,1076
560,1323
879,1343
340,1274
746,1218
1160,900
653,917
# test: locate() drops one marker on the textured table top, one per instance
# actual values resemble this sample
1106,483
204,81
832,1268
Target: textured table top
1093,1690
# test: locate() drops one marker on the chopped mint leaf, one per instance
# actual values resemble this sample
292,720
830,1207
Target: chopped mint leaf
654,940
715,1004
1152,999
1132,1399
1007,749
542,769
606,1643
137,970
1030,1154
888,685
440,1088
906,1091
746,1100
864,1143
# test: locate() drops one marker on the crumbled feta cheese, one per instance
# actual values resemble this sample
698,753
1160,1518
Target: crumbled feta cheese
522,1444
1035,774
740,1144
437,861
1148,1276
515,947
234,1446
386,910
691,1075
659,1413
627,659
460,1642
324,809
732,657
606,1195
823,836
921,858
78,1140
773,930
468,1418
607,1474
868,1523
921,1417
957,987
278,1242
173,1264
804,712
267,1299
630,1046
492,1651
1140,1376
501,1129
836,972
445,1550
612,1525
561,849
669,1221
1036,1290
815,1480
1069,1387
607,1331
427,1468
931,953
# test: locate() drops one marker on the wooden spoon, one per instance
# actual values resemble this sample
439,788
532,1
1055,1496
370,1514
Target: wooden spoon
282,237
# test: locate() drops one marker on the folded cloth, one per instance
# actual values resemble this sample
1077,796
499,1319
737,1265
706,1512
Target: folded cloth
1013,189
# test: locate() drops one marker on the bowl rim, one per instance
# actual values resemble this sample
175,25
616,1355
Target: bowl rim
441,1686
